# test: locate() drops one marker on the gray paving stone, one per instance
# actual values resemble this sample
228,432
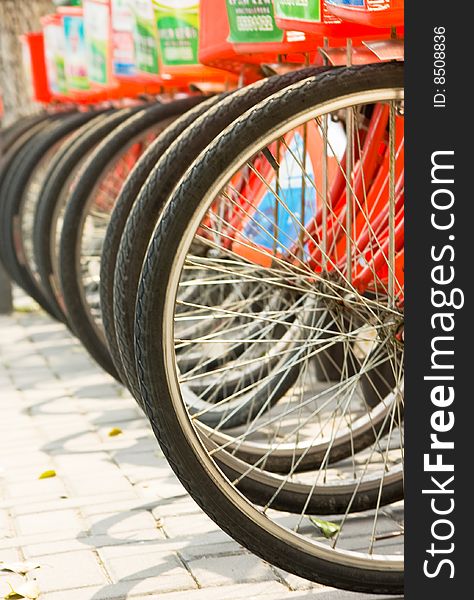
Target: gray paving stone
151,587
119,522
115,523
69,571
135,567
50,521
195,525
236,591
36,548
89,593
45,489
299,584
224,570
200,550
6,526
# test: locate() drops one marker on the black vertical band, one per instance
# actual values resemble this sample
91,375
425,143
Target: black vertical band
439,263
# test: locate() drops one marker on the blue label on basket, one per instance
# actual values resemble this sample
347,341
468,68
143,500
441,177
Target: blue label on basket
123,46
278,215
347,2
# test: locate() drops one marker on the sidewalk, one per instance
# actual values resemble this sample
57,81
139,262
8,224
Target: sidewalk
114,522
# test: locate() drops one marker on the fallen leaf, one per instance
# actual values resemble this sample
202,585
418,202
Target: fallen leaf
26,309
28,590
22,568
47,474
115,431
327,528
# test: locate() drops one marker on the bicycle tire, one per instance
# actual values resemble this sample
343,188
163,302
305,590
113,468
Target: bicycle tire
153,196
75,215
15,202
60,174
119,216
179,442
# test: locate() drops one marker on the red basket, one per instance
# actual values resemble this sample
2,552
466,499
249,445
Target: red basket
35,66
151,52
254,30
313,16
215,49
375,13
179,39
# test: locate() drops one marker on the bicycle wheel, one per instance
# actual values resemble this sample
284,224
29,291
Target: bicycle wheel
118,219
87,215
60,181
20,189
30,192
250,385
146,210
10,134
7,160
321,214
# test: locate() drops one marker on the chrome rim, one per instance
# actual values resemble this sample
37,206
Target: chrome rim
375,336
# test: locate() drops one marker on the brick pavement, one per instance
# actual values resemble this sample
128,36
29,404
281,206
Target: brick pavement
115,522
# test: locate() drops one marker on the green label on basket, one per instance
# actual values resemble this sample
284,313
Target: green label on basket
76,55
145,36
252,21
97,31
178,31
301,10
61,73
123,47
54,50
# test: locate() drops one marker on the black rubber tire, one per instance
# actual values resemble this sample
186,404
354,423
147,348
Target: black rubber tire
76,211
159,186
7,159
10,158
22,171
119,216
66,164
9,153
63,150
9,134
154,294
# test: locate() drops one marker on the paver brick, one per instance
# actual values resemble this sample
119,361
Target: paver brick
134,566
69,571
236,591
225,570
57,520
115,523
